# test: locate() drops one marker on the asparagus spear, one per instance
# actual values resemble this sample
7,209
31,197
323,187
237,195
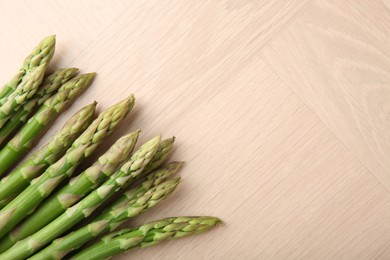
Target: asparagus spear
161,155
33,195
147,235
49,86
144,200
23,140
11,104
38,162
73,192
85,207
40,55
151,180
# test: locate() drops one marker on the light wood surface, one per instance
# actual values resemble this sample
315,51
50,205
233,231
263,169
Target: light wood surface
280,109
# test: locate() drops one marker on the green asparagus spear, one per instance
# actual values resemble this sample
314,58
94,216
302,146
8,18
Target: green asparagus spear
151,180
22,94
77,188
23,140
147,235
82,209
40,55
33,195
161,155
48,88
144,199
38,162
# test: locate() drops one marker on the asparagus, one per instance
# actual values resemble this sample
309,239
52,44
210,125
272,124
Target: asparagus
38,162
144,200
151,180
149,183
161,155
49,86
147,235
40,55
85,207
33,195
25,90
73,192
23,140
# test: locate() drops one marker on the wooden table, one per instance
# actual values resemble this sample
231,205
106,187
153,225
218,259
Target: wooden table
281,110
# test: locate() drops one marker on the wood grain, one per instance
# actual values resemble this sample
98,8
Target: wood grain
283,184
23,24
279,108
335,56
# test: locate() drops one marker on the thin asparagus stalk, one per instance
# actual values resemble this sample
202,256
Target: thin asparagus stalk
77,188
38,162
161,155
137,201
86,206
25,91
151,180
144,200
33,195
23,140
48,88
40,55
147,235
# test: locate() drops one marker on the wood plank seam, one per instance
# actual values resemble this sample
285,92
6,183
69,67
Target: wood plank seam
319,118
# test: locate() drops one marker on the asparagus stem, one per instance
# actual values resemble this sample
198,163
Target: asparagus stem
38,162
39,189
23,140
48,88
40,55
86,206
143,199
77,188
147,235
153,179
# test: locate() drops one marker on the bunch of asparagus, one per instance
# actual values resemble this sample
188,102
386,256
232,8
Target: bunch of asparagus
45,197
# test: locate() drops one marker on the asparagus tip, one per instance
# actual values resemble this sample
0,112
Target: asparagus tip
49,40
173,166
91,75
